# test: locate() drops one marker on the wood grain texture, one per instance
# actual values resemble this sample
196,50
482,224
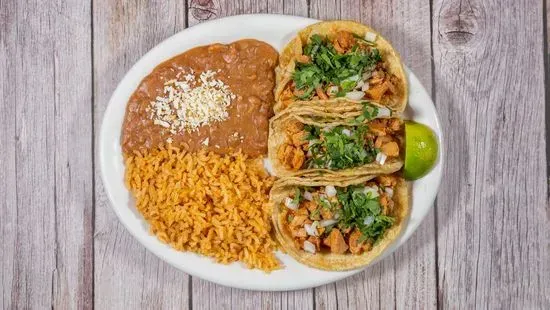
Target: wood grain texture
488,245
47,214
34,258
407,279
8,185
127,276
493,221
546,42
73,175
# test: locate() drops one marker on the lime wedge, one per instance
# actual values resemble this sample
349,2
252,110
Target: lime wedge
421,150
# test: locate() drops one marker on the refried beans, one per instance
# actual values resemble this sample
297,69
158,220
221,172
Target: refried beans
246,66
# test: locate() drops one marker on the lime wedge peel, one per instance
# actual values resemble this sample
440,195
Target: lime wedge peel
421,150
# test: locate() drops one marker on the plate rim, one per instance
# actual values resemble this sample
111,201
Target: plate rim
237,284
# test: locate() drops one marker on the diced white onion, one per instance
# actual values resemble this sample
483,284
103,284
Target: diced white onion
289,203
308,196
370,36
368,220
347,132
309,247
372,190
383,112
355,95
381,158
309,231
325,223
360,84
336,216
365,87
330,191
309,154
332,90
326,129
312,229
389,191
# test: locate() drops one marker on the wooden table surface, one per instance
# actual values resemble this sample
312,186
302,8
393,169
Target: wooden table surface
485,244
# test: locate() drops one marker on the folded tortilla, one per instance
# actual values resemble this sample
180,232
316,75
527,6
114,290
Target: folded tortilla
322,115
294,49
326,260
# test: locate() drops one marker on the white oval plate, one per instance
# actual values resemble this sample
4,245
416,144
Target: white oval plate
276,30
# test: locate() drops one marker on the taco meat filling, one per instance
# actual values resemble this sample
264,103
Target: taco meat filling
341,147
340,219
347,66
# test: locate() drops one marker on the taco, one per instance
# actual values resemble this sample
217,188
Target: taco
333,144
340,59
339,227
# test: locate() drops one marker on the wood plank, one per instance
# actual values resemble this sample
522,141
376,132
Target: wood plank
408,276
127,276
493,249
546,40
48,208
72,67
34,256
547,87
207,295
8,179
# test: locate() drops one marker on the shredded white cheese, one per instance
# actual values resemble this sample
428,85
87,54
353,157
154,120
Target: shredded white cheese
189,103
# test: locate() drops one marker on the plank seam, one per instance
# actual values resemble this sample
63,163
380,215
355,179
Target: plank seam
313,297
16,279
55,222
92,244
433,94
186,22
546,93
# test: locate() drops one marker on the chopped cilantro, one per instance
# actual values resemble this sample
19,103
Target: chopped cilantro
338,150
328,67
313,132
369,112
297,197
347,85
356,207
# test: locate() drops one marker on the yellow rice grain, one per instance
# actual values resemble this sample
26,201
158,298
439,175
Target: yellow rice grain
215,205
